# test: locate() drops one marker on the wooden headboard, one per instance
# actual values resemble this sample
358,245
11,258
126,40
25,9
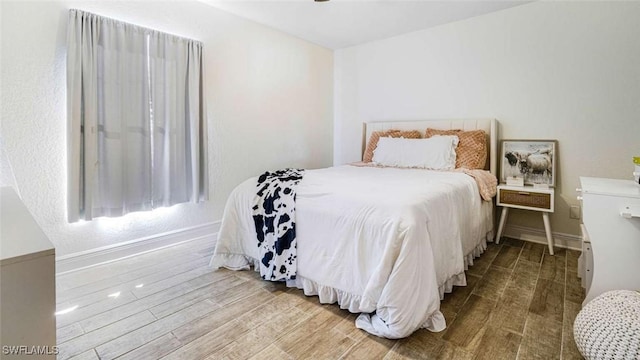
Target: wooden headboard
490,127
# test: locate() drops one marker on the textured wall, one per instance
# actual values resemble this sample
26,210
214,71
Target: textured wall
269,98
546,70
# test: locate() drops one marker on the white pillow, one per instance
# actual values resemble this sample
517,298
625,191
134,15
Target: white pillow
437,152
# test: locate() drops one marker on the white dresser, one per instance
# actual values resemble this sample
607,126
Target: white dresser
27,284
611,224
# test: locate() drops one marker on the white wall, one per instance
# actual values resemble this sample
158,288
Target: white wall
546,70
269,98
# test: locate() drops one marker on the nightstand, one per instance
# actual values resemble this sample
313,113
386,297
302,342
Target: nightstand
526,198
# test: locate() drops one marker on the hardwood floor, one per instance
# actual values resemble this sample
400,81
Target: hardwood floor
519,303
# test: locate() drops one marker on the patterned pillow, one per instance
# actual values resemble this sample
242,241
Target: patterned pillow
394,133
471,152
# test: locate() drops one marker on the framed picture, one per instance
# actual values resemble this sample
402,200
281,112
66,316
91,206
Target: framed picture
532,160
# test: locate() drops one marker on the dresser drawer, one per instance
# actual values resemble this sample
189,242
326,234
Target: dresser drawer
525,199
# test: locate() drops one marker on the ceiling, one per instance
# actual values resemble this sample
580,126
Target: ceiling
338,24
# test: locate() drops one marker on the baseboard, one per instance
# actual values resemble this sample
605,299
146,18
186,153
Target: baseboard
568,241
84,259
93,257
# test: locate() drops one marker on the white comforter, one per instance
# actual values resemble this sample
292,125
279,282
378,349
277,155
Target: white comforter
376,240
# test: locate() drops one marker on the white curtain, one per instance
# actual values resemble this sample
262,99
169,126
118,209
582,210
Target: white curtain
137,128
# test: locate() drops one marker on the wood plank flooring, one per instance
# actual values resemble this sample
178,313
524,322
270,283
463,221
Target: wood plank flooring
520,303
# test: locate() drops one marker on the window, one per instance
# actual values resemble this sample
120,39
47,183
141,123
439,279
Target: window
137,127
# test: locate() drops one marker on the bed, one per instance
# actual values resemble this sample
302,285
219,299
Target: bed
384,242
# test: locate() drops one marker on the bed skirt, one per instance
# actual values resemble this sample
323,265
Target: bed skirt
352,302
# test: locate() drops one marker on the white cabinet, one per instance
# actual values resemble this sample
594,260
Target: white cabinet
27,284
611,218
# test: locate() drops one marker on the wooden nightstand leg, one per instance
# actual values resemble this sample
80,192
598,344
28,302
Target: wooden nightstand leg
547,230
503,220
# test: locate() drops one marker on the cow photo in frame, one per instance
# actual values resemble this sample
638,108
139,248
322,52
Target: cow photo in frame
533,160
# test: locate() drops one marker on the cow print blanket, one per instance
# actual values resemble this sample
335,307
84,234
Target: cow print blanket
274,218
